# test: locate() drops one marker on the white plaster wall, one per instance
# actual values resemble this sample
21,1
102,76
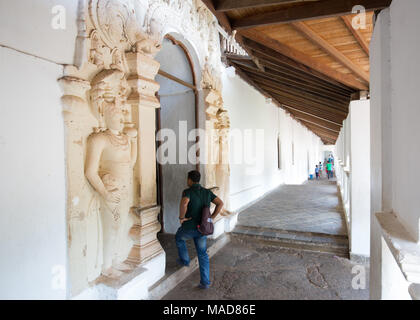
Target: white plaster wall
360,177
380,89
394,135
32,187
25,25
395,286
248,109
405,112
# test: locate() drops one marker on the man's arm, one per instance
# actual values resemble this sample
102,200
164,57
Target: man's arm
183,206
219,205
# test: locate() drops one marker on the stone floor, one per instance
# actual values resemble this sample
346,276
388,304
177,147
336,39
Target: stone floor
250,270
311,207
300,219
168,244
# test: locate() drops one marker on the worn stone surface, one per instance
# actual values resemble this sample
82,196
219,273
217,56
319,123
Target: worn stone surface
252,271
311,207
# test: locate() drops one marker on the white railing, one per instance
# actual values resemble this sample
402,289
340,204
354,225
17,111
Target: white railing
228,44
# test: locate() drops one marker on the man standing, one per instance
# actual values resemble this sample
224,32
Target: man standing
193,200
329,169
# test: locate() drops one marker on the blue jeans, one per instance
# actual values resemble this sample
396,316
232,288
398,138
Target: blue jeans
200,242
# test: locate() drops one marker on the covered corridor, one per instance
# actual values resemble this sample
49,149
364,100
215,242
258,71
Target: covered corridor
291,244
108,104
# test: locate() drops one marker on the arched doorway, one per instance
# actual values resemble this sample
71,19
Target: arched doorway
178,113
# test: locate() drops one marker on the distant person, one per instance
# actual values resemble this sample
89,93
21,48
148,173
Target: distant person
329,169
190,209
317,172
320,169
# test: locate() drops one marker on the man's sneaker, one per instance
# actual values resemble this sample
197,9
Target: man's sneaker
203,286
181,263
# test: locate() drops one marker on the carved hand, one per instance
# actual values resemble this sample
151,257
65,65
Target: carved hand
112,196
131,132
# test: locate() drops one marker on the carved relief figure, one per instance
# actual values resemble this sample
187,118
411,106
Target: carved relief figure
111,155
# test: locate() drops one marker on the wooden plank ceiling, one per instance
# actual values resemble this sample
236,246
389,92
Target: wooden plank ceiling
303,54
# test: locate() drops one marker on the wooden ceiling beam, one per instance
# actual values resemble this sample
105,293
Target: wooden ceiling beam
301,78
356,34
315,38
300,93
312,115
245,77
294,83
324,138
317,124
322,131
228,5
301,99
265,52
221,16
311,10
308,108
302,58
248,80
321,122
293,76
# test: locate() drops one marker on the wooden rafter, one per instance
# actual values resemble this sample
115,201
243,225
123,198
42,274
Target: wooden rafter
228,5
303,101
317,124
311,115
318,121
330,49
299,93
311,10
282,79
302,58
356,33
282,65
309,108
245,77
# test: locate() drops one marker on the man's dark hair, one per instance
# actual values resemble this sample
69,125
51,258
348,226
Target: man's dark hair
195,176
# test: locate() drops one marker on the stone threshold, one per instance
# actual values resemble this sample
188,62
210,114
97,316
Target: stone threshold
170,281
405,250
306,241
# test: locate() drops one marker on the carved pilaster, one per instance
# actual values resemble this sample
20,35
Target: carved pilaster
144,234
142,71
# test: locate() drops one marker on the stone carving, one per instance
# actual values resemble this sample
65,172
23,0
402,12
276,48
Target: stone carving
108,103
217,128
222,169
190,18
110,158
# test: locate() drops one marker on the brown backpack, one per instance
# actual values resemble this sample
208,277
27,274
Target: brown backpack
206,227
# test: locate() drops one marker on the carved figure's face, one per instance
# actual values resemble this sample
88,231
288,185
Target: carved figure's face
114,118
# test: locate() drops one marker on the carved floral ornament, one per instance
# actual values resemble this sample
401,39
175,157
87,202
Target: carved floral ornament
118,26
